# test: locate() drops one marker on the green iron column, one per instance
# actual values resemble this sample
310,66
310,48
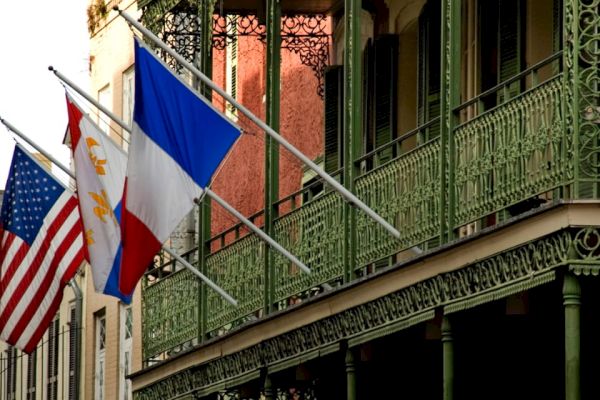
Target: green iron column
268,388
350,375
271,147
572,304
352,124
204,60
448,359
450,95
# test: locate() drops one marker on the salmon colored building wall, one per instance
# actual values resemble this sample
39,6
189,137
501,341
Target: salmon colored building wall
241,178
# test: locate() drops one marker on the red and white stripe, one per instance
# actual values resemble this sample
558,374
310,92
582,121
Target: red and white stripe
33,278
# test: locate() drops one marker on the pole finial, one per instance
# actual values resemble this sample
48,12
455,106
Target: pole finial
116,8
50,68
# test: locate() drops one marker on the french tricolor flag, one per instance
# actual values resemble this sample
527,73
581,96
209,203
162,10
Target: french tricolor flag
178,140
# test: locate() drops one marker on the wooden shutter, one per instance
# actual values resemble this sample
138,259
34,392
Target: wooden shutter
53,338
31,375
429,67
334,113
72,354
385,89
510,37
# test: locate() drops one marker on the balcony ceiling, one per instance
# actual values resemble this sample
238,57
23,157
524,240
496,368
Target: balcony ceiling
287,6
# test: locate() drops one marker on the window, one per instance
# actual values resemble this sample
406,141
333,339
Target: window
53,354
105,99
128,97
100,365
31,375
125,333
231,65
11,373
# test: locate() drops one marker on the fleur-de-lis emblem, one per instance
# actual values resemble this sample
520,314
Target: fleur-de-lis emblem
89,237
103,207
98,163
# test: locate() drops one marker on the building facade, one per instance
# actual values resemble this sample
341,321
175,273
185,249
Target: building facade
472,127
111,348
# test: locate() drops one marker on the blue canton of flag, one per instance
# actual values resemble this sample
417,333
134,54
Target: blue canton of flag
29,195
41,247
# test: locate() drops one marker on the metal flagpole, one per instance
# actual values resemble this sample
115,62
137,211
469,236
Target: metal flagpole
351,198
208,192
168,250
93,101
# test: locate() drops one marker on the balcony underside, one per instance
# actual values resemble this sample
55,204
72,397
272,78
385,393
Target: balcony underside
512,257
251,6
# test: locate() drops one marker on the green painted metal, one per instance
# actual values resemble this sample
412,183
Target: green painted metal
350,375
484,281
314,233
405,192
352,123
572,304
448,359
510,153
581,62
170,313
204,59
271,147
204,213
545,139
268,388
239,270
450,94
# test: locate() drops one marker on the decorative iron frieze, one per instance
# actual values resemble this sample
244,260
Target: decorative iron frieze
305,35
494,273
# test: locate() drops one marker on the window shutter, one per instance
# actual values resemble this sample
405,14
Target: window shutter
557,24
52,386
72,354
31,375
509,43
385,88
11,373
429,67
334,112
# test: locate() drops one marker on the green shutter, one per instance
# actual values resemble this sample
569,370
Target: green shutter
429,67
557,24
385,89
334,87
510,13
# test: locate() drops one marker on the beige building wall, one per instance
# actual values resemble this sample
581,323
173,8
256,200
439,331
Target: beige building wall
111,54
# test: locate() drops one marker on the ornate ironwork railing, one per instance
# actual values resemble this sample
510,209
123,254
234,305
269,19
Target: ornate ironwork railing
237,268
503,156
314,233
405,192
170,313
510,154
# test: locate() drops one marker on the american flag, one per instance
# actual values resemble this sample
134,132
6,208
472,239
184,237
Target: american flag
41,248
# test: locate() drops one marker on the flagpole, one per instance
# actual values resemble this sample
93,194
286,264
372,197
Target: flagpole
351,198
209,192
89,98
35,146
165,248
258,231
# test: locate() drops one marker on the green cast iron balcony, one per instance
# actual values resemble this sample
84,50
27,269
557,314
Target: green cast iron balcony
498,158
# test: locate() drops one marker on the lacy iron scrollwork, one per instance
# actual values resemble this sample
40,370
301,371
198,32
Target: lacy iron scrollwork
305,35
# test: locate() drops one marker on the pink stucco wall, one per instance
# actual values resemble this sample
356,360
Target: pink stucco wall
241,178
